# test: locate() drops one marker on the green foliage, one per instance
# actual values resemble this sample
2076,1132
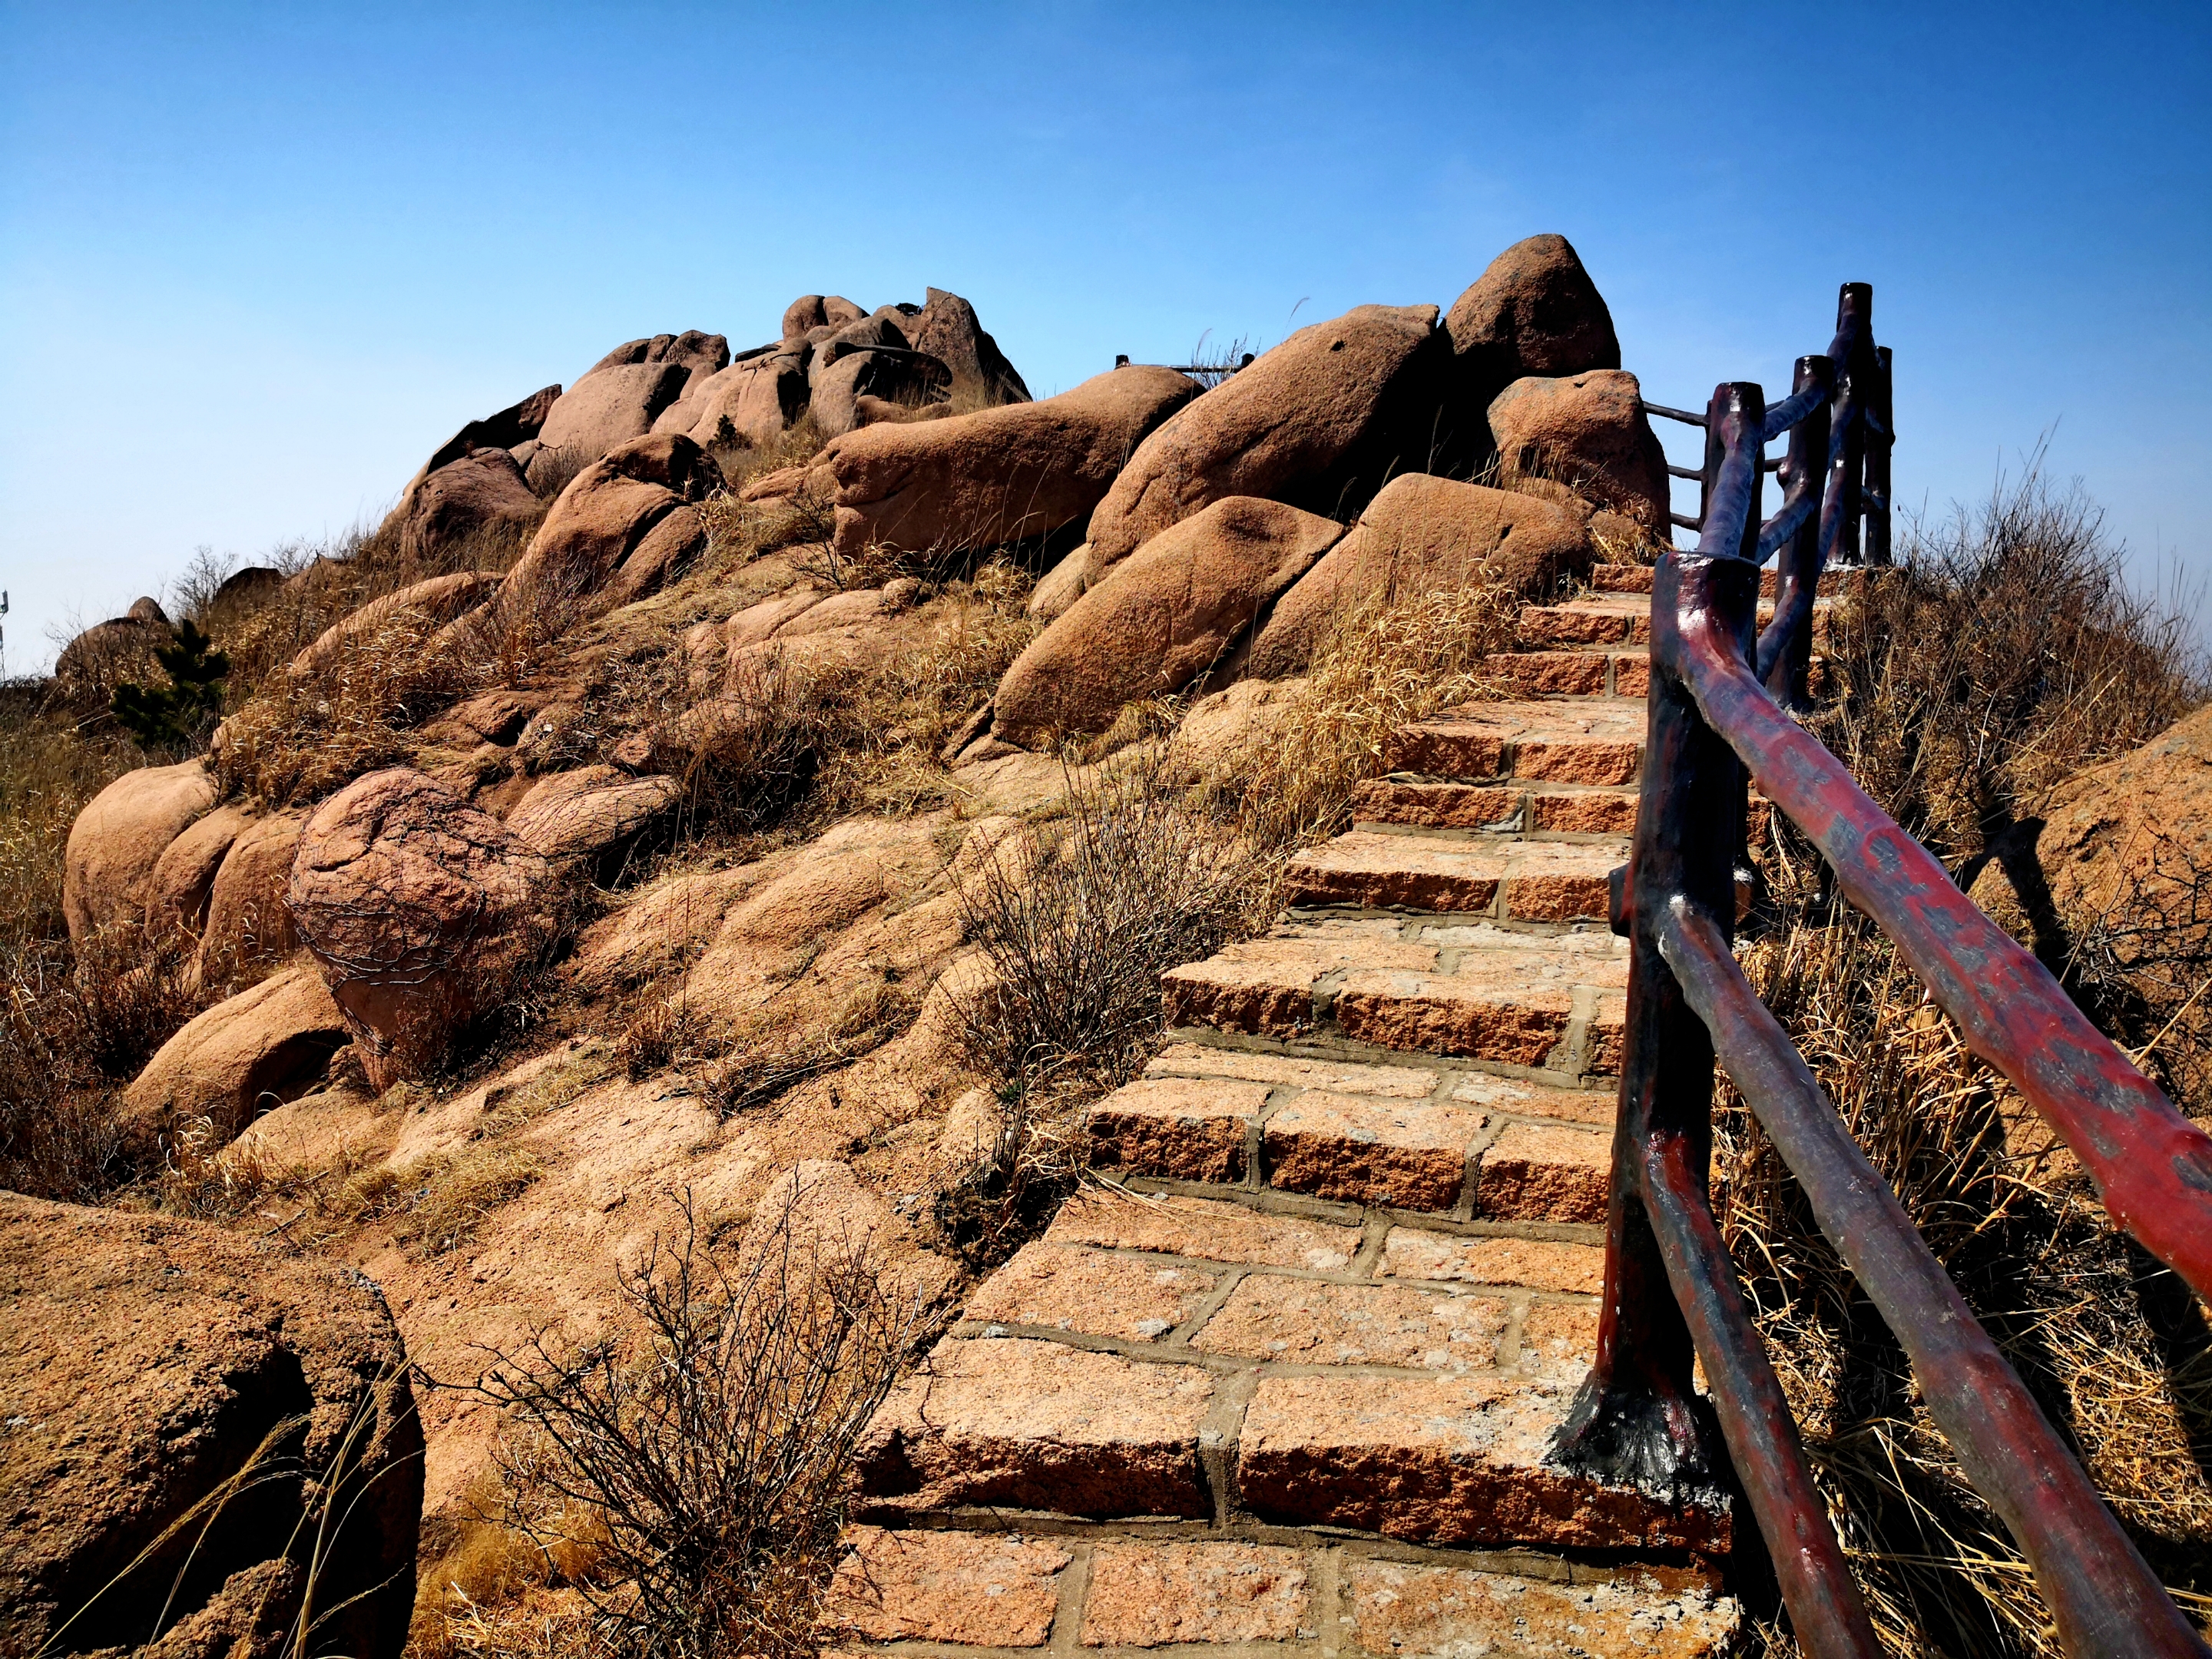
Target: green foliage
175,716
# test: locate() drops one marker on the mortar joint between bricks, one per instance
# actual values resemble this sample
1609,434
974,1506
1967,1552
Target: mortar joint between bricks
1324,995
1067,1614
1233,1275
1367,1259
1218,1434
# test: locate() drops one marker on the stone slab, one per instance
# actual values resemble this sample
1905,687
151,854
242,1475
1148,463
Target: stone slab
1264,987
1150,1596
1071,1288
1532,1264
1412,1154
1190,1129
1401,1609
1535,1172
1311,1321
1339,1077
1208,1230
984,1590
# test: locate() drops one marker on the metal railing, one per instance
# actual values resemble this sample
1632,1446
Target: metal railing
1715,721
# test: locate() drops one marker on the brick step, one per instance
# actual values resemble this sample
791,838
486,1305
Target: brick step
1530,740
1423,1137
1210,1362
1636,579
1066,1588
1531,881
1551,1006
1539,809
1604,619
1587,673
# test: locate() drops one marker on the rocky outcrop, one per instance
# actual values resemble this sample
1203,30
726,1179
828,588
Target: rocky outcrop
946,327
1419,534
513,426
1534,311
907,379
592,816
184,876
1160,619
1589,432
105,655
235,1060
997,475
752,402
599,547
480,495
811,310
148,1361
422,911
247,921
428,605
620,399
1318,422
118,841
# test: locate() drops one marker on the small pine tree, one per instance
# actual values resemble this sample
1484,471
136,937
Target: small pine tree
174,716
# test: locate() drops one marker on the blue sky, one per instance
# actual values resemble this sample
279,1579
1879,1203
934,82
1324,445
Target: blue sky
255,261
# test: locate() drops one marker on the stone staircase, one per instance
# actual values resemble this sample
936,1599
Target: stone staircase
1285,1385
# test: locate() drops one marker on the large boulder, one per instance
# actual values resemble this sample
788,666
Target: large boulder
516,424
422,911
247,921
1534,311
908,379
1319,423
813,311
231,1063
620,399
147,1362
428,606
1420,535
480,494
753,401
1160,619
108,653
117,839
184,876
997,475
946,327
580,562
1587,431
593,815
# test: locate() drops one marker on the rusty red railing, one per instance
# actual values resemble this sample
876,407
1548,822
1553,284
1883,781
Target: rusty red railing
1718,721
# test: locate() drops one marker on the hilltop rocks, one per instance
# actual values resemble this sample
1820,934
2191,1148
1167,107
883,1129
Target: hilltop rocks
619,400
233,1063
1589,432
1160,618
947,328
811,310
91,665
117,839
1534,311
480,493
1318,422
905,379
511,428
1423,534
592,553
145,1360
422,910
753,401
997,475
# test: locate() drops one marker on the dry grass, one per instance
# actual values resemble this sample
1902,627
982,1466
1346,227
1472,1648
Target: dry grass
2115,1352
1395,659
688,1485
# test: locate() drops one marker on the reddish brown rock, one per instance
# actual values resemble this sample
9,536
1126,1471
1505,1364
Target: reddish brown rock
1056,1286
1409,1252
247,921
1419,534
1152,1595
1398,1607
1534,311
421,608
618,399
1303,1321
1537,1173
1589,432
1209,1229
594,813
980,1589
184,874
117,842
946,327
517,424
997,475
749,402
817,310
479,497
108,653
238,1059
1410,1154
422,911
1031,1424
144,1360
1192,1131
595,549
1160,619
838,386
1318,422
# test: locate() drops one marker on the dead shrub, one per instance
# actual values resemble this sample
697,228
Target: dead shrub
703,1464
1395,659
2115,1352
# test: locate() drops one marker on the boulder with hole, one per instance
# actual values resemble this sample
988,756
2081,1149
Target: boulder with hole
148,1362
885,374
424,913
1160,619
1317,422
117,842
269,1043
1422,535
1589,432
998,475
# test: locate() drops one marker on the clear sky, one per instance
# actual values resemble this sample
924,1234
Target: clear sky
257,261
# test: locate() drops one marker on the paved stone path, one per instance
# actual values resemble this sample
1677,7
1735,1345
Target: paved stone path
1287,1390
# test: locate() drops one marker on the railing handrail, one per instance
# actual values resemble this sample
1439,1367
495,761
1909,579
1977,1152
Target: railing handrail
1712,724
